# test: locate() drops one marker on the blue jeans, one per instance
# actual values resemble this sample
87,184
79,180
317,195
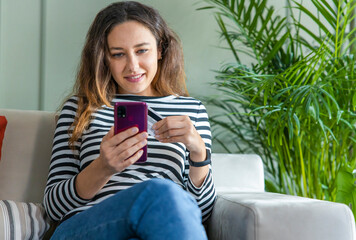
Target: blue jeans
154,209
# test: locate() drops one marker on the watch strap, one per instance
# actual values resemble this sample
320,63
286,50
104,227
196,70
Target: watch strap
203,163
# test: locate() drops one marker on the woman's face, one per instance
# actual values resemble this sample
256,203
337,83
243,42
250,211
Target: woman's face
133,58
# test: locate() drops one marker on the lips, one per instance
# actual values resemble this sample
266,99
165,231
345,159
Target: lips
135,78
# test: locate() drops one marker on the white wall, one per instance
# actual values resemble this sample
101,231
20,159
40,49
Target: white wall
41,41
19,53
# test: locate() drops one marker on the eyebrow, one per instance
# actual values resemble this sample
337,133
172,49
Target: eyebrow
136,46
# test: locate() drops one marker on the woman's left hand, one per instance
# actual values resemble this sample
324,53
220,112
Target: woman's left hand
180,129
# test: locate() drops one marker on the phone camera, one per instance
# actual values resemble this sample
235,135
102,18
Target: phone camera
121,111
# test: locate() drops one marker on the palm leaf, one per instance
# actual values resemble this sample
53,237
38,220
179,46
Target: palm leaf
293,105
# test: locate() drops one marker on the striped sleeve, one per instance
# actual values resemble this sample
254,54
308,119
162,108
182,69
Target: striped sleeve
205,195
60,194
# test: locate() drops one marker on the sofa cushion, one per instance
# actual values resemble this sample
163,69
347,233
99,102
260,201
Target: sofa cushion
20,220
3,123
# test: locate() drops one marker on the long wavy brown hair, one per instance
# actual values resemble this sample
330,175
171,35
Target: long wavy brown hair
94,84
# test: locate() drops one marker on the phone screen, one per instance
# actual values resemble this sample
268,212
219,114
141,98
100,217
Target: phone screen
131,114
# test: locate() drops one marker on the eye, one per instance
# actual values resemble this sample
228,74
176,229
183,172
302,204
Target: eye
142,51
117,55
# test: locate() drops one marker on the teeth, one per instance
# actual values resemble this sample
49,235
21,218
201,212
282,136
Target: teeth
136,77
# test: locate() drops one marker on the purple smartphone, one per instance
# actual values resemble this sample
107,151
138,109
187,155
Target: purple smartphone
130,114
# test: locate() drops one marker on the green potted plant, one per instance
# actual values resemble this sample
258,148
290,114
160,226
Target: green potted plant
295,103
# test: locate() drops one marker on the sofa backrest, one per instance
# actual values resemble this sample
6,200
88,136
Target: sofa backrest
237,173
26,154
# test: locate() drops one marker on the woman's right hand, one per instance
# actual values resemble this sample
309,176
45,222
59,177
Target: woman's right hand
119,151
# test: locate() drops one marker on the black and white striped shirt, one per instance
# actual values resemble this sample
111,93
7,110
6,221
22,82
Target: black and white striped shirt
165,160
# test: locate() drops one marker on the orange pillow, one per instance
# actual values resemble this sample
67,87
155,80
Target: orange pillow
3,123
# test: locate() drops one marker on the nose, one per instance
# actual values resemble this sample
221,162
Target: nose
132,63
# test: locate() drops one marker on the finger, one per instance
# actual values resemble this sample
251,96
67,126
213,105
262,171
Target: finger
175,122
116,155
173,129
164,121
122,136
130,142
159,124
128,162
132,150
171,133
172,139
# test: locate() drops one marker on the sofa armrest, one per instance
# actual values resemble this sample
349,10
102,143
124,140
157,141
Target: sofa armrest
271,216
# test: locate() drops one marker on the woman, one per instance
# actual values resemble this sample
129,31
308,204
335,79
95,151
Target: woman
94,188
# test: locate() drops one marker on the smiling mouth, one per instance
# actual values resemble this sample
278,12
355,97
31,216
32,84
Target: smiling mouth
135,78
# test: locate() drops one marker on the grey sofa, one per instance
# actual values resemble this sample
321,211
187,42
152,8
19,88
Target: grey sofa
242,210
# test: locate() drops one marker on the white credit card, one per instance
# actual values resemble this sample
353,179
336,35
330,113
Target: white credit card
152,118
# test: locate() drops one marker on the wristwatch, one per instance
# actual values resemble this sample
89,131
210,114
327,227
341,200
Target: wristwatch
203,163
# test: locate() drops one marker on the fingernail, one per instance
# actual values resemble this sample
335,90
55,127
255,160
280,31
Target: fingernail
135,130
144,134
